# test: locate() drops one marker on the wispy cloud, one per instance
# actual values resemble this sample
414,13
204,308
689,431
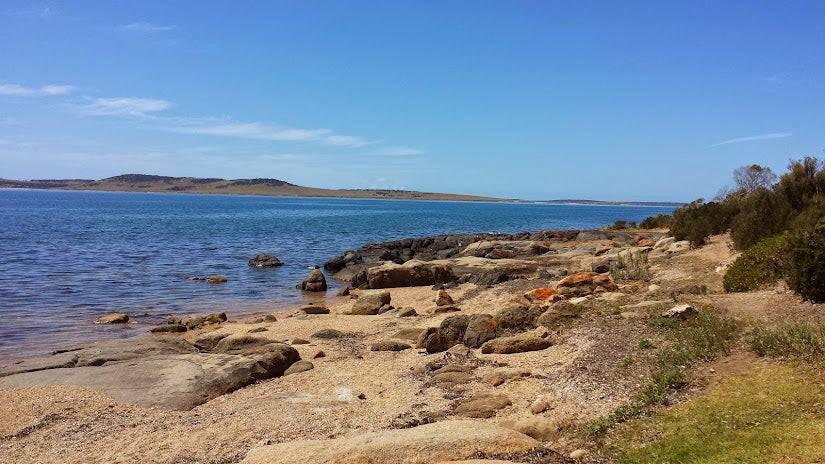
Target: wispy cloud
773,135
15,90
400,151
126,106
255,130
346,141
146,28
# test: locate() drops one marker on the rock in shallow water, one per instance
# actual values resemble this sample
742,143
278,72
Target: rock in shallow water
113,318
265,260
314,282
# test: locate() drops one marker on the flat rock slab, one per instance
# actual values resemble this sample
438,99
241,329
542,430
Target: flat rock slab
389,345
517,344
177,382
482,406
442,441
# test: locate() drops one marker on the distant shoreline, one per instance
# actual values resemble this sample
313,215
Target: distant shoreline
142,183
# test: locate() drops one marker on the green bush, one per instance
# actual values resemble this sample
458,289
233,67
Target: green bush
659,221
805,270
759,265
761,214
698,220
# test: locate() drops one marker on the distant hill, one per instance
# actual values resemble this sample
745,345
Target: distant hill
270,187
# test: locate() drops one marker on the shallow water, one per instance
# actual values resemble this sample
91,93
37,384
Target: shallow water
69,257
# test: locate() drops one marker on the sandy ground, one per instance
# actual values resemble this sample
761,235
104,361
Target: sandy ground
353,390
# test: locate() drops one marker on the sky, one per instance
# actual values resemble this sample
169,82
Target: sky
633,100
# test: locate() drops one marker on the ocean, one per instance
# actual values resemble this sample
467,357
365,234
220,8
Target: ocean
67,257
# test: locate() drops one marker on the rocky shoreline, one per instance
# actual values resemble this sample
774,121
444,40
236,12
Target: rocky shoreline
431,336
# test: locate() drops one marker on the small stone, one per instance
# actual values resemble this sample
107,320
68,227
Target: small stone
407,312
682,311
314,309
443,298
113,318
300,366
541,404
389,345
169,328
579,453
446,309
319,354
328,334
300,341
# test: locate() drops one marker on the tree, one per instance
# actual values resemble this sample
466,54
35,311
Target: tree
750,178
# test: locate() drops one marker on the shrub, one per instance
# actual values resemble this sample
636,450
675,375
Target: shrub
799,340
630,266
805,270
659,221
759,265
761,214
698,220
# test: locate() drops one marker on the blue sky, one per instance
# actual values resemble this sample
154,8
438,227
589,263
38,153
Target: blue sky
526,99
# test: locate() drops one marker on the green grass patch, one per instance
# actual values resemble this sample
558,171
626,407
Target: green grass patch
700,338
795,340
771,414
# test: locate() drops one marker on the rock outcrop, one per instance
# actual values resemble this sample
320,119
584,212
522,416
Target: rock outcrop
413,273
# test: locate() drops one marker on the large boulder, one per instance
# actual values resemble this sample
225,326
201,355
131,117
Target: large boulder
517,318
314,282
425,444
265,260
559,313
413,273
448,334
480,329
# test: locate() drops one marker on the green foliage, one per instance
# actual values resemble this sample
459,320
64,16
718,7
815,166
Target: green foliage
620,224
645,344
630,266
759,265
660,221
702,337
698,220
761,214
805,271
796,339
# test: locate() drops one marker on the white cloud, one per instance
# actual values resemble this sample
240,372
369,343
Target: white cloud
146,28
400,151
255,130
15,90
346,141
773,135
126,106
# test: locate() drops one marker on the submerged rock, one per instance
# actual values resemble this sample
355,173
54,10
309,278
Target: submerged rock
265,260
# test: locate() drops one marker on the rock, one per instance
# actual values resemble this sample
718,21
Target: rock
517,318
425,444
541,404
319,354
262,319
503,374
407,312
482,406
300,366
236,343
265,260
585,282
453,368
168,328
300,341
343,291
328,334
558,314
577,454
629,315
163,372
453,378
413,273
103,352
480,328
444,299
500,253
209,340
578,279
257,330
314,282
389,345
371,304
515,344
216,279
385,309
460,351
540,428
409,333
682,311
664,243
542,294
113,318
579,300
677,247
314,309
446,309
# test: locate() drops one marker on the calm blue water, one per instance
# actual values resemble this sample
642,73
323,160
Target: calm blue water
68,257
